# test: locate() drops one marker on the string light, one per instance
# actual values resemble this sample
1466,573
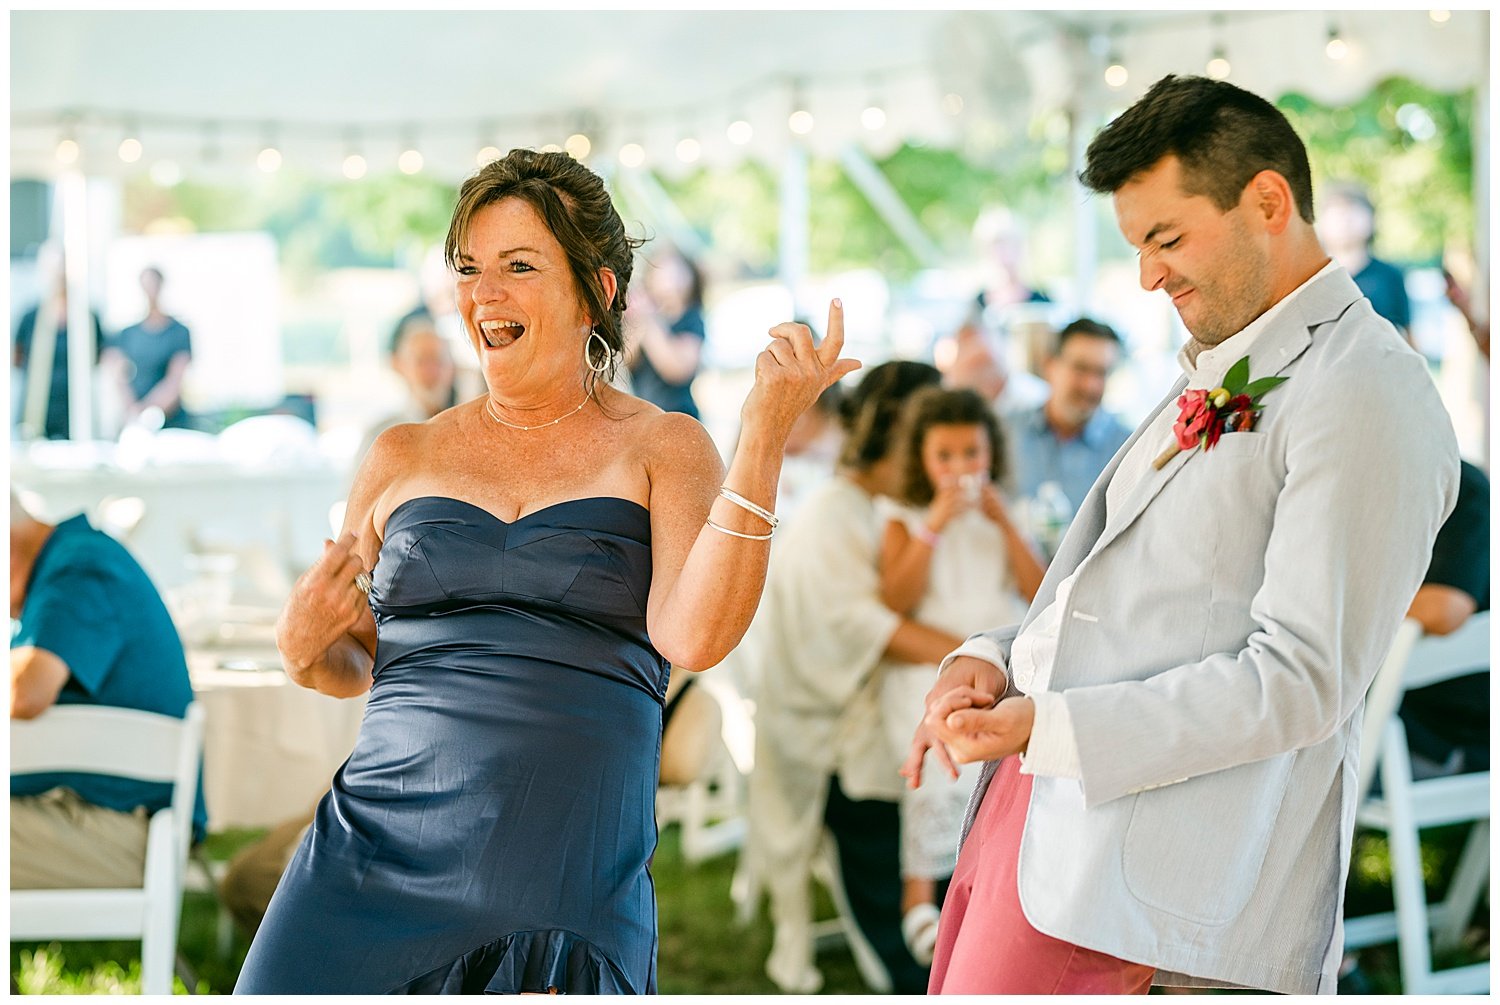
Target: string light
410,161
1218,66
872,118
487,153
578,146
688,150
130,147
632,155
740,132
1439,16
551,148
1336,48
67,149
800,122
953,104
354,162
269,158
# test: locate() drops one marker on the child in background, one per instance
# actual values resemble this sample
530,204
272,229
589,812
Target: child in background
951,557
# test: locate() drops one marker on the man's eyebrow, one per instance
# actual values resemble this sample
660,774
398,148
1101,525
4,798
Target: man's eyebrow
512,251
1151,234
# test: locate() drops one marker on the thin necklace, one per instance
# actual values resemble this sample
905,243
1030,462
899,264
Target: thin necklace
489,409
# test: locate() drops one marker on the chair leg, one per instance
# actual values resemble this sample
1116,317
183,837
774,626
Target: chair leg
1469,881
1407,886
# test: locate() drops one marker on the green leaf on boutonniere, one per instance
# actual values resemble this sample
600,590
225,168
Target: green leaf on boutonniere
1257,388
1234,380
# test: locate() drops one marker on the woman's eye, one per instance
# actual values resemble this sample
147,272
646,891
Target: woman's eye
467,270
1169,245
517,265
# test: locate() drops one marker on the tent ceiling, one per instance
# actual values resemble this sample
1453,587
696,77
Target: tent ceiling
206,88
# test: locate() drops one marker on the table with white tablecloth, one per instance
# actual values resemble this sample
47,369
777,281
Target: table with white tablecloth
270,747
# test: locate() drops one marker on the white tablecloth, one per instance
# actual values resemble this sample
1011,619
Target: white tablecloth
270,747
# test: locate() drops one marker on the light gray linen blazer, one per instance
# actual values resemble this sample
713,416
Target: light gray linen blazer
1214,657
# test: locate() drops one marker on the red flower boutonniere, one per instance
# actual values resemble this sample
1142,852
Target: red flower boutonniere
1206,415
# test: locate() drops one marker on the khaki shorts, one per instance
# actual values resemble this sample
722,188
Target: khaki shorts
60,841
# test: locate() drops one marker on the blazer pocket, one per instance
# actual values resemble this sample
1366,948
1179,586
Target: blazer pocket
1242,444
1195,849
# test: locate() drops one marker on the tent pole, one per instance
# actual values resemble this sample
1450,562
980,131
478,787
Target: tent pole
792,265
73,190
882,195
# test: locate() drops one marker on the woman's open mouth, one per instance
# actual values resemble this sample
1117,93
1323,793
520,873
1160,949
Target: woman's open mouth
499,334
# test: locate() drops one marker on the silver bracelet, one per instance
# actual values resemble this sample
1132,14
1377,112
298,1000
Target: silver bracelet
735,533
748,506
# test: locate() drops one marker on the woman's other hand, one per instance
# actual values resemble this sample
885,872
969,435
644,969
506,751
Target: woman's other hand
792,372
325,604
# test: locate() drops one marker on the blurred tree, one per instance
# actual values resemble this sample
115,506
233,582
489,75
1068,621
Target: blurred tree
1412,149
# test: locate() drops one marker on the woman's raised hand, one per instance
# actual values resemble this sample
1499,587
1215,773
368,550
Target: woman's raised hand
792,372
325,603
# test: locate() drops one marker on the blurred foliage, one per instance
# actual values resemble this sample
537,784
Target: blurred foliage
1411,148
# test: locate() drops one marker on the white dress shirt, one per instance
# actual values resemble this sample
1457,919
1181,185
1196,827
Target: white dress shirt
1052,749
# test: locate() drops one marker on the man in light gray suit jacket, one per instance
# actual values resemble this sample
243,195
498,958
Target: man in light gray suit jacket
1185,693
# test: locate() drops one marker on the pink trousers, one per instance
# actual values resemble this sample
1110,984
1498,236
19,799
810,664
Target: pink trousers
985,945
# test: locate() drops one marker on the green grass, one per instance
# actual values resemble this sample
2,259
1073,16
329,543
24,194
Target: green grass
702,950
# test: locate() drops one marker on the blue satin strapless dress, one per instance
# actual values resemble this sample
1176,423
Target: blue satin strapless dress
492,830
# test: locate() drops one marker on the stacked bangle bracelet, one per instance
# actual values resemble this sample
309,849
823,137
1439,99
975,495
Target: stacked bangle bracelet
749,507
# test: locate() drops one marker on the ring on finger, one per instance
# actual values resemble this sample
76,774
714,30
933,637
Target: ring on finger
363,580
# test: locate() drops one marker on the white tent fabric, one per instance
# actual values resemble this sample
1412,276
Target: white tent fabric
208,90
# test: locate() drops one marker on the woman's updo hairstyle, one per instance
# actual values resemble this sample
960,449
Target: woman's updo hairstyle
870,414
573,203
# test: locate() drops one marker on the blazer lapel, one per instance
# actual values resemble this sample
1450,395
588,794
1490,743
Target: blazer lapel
1277,349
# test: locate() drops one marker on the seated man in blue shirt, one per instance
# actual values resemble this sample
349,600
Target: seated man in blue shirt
1069,439
88,628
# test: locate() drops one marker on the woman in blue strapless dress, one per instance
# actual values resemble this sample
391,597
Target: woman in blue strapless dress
514,579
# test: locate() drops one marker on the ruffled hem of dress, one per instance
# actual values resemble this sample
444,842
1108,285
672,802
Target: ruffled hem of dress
549,961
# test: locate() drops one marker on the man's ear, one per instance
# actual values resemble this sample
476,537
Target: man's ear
1271,200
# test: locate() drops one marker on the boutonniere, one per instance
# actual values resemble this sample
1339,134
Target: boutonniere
1206,415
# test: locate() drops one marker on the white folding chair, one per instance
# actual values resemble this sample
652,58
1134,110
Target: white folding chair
1406,805
130,744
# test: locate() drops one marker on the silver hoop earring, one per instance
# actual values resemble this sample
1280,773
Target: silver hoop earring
609,355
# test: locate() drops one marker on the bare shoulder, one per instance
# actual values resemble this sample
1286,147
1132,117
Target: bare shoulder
677,444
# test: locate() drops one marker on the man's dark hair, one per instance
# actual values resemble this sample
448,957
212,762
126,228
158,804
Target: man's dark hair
1086,327
1223,134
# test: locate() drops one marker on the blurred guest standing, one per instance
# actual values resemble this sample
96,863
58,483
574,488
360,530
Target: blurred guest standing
421,358
1187,687
88,629
150,358
539,556
821,754
1346,226
42,334
1067,441
666,332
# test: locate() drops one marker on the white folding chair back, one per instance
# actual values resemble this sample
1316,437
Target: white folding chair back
130,744
1382,701
1405,805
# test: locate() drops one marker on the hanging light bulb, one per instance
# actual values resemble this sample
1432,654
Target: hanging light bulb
410,160
269,158
632,155
67,147
130,148
551,148
953,104
355,167
873,117
1439,16
740,132
1336,48
688,150
1218,66
487,153
801,120
578,146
